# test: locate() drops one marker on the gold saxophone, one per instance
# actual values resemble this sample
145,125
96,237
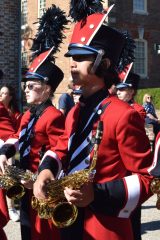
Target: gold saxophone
11,181
155,188
56,207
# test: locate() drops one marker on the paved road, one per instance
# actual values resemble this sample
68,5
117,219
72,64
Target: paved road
150,223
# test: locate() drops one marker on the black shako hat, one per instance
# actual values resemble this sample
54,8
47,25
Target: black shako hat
45,45
132,81
91,35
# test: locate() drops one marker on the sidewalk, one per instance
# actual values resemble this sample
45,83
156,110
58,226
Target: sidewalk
150,223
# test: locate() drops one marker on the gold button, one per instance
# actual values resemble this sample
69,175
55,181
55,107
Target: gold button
83,39
32,68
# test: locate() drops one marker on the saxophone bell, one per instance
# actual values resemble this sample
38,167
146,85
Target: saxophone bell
64,214
16,192
11,181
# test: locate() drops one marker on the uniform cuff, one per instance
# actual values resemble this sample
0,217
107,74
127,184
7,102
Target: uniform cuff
109,198
50,161
8,150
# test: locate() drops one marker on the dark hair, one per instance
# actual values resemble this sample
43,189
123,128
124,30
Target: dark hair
13,105
109,75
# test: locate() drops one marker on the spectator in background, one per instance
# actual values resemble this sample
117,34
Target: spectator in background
151,116
66,101
127,90
76,95
8,99
6,129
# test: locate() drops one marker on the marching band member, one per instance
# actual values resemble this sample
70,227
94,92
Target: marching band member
126,91
8,98
6,129
121,182
42,124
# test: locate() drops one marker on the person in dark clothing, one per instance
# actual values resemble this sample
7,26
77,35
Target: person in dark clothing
66,102
151,116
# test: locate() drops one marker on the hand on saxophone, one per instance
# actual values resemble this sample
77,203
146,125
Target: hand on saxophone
3,162
81,197
39,189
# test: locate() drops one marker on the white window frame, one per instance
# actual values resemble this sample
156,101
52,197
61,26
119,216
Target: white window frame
139,60
138,10
24,10
41,7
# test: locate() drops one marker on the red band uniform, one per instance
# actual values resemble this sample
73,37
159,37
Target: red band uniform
122,181
6,129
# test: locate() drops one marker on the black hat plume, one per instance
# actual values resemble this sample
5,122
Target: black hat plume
80,9
50,31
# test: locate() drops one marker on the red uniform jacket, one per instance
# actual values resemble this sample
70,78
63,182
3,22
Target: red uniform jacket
140,109
6,129
16,119
124,156
6,126
46,132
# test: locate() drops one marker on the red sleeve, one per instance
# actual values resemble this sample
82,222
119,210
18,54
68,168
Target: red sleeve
4,218
140,109
135,152
6,126
55,127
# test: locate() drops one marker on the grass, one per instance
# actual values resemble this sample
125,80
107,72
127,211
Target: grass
154,92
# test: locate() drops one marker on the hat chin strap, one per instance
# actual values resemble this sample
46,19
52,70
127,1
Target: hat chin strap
97,60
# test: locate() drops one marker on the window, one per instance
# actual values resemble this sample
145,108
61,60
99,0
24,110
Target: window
24,12
140,6
24,59
140,64
41,7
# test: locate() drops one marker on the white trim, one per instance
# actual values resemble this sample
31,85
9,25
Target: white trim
43,59
133,188
155,159
128,70
1,143
99,25
13,141
70,141
53,155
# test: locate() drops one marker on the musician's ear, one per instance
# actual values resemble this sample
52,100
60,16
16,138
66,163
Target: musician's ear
106,62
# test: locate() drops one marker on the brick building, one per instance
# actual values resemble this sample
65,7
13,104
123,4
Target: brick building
29,29
140,17
10,56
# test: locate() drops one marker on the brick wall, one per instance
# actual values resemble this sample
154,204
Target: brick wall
10,41
125,19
